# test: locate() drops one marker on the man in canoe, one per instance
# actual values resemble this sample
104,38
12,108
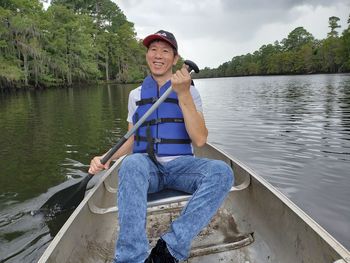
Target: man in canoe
161,156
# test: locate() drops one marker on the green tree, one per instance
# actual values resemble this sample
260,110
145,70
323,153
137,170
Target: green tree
344,53
297,38
265,58
70,45
20,44
304,59
299,53
333,25
115,40
10,69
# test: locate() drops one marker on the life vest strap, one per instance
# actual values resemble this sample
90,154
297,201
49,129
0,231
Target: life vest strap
154,99
150,145
164,140
137,133
163,120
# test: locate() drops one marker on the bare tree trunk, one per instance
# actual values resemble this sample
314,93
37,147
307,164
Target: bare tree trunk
69,71
69,63
69,76
107,67
98,13
26,69
125,72
36,72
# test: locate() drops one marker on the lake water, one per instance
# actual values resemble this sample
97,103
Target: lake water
292,130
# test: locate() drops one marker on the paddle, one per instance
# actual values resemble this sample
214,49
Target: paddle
71,196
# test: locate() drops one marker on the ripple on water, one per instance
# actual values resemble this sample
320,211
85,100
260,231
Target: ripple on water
295,131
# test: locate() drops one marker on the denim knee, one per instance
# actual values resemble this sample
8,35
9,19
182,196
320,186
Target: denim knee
222,173
137,163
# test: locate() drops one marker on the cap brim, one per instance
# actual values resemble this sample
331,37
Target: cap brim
148,40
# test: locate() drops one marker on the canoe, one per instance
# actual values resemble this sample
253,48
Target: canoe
256,223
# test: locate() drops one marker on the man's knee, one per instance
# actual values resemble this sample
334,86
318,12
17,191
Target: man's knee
135,160
135,164
222,173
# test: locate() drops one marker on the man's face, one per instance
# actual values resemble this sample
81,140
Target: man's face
160,58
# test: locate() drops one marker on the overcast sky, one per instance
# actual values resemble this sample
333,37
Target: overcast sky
211,32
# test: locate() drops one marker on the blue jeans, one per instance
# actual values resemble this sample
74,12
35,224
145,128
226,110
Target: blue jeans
207,180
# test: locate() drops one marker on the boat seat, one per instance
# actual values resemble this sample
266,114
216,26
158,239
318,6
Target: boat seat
166,196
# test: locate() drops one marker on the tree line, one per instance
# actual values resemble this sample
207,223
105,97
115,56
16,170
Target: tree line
299,53
76,41
73,41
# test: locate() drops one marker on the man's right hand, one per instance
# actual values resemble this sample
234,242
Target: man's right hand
96,165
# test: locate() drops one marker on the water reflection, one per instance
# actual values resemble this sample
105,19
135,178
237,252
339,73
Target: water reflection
292,130
48,138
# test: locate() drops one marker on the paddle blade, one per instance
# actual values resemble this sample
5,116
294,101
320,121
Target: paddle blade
68,198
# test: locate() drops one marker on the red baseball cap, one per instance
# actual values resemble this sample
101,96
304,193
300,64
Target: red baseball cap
161,35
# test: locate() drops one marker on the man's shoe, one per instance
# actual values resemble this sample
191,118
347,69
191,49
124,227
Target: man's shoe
161,254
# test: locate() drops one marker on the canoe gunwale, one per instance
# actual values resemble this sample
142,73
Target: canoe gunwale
47,253
338,247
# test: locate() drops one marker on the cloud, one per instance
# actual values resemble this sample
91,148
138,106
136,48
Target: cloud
213,31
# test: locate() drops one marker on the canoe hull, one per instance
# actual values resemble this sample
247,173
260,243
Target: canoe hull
257,224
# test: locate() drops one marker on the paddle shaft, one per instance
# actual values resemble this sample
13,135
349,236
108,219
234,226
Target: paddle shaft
73,195
116,147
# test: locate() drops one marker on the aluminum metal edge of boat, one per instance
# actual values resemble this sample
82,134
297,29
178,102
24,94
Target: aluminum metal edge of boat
329,239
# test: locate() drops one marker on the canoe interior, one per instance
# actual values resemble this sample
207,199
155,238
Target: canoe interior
257,224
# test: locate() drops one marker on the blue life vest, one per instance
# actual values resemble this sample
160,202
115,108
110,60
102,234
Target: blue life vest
164,132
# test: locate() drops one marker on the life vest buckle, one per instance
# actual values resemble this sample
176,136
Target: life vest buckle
157,140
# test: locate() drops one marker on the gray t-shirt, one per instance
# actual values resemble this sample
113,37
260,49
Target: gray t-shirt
135,95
